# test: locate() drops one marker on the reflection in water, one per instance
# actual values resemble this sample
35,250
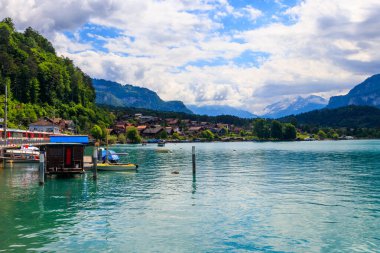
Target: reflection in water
194,184
264,197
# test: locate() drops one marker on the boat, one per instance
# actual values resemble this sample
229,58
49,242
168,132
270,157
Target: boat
117,167
111,162
112,156
25,154
161,143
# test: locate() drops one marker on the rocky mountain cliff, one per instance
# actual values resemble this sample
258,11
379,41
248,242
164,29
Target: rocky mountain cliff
115,94
366,93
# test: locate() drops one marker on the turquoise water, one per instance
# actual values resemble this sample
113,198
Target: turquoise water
246,197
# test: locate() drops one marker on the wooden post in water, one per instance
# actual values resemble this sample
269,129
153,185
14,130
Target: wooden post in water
95,163
42,169
193,156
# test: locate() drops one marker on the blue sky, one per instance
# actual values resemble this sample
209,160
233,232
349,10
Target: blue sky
241,53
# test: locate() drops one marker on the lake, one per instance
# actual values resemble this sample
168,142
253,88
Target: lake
246,197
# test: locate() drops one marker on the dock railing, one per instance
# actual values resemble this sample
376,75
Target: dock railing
14,142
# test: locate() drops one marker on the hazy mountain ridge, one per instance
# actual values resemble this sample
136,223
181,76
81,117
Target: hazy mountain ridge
216,110
366,93
115,94
294,106
349,116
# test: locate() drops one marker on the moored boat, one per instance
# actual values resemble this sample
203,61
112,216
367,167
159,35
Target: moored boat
26,154
117,166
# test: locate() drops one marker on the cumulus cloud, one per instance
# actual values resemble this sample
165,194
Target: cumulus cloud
188,50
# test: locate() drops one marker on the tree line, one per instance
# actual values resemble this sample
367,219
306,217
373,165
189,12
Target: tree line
42,84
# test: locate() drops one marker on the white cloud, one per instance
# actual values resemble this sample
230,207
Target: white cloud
328,47
253,13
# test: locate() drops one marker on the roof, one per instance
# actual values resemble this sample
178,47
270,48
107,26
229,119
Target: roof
62,144
79,139
141,127
42,123
172,121
195,128
169,129
153,130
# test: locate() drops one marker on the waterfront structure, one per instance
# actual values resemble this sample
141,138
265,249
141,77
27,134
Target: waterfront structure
64,155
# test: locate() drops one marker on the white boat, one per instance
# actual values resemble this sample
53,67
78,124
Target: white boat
117,166
26,154
161,143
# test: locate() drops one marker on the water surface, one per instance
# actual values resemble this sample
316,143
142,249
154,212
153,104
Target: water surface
246,197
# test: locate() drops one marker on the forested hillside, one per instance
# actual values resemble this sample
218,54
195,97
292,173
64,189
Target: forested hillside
42,84
349,116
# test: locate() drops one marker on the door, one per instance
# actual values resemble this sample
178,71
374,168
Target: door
68,157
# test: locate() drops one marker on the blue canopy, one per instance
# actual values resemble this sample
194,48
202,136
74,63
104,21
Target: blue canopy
82,139
112,156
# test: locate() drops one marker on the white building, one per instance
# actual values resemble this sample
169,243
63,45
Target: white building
44,126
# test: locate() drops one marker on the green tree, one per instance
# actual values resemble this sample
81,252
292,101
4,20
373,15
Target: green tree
260,128
276,130
322,135
133,135
290,132
335,136
176,136
112,139
207,134
121,138
96,132
163,134
330,133
34,90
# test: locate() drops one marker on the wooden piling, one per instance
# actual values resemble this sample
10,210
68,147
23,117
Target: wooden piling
3,156
193,156
42,169
95,163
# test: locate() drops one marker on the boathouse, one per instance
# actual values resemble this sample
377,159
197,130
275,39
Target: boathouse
64,154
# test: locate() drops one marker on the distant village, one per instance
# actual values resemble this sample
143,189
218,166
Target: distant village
152,128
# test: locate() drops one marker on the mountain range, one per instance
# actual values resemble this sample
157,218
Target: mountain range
115,94
294,106
366,93
216,110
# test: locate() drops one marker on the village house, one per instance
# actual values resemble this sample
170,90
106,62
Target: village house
148,120
195,129
172,122
237,130
120,127
169,130
152,131
186,122
141,128
220,125
44,125
64,125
